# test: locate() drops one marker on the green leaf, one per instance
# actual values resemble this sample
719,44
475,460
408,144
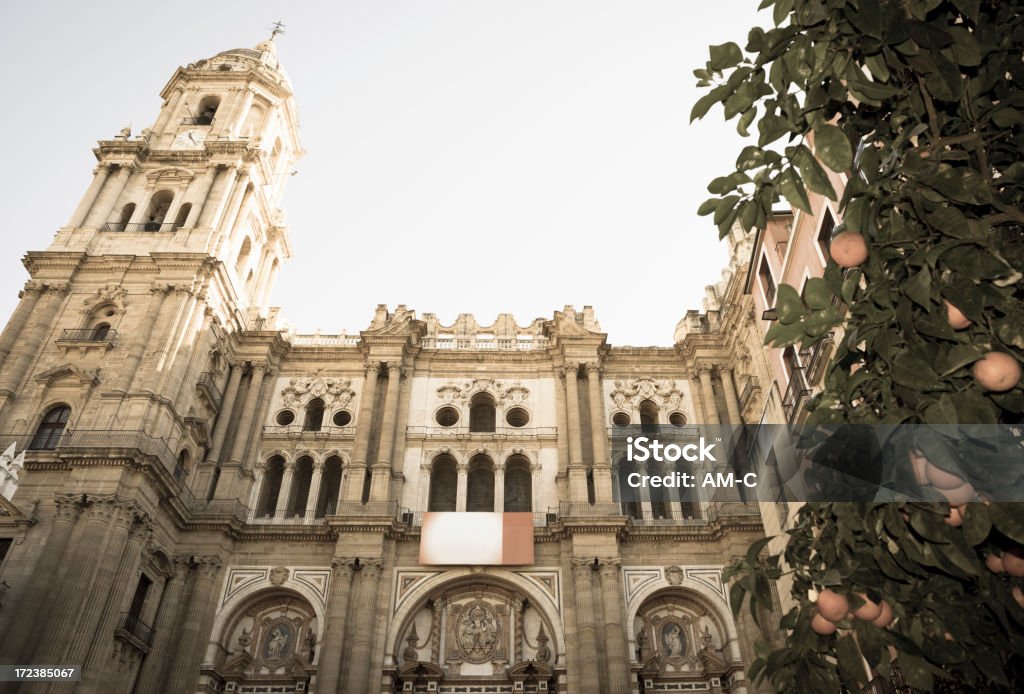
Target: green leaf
812,172
725,56
707,207
781,11
833,148
913,372
792,188
788,305
977,524
816,293
1008,520
918,288
772,127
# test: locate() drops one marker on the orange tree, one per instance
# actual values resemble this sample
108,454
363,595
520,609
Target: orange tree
920,103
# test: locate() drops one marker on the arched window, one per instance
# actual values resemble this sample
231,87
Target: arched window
648,417
630,496
314,415
182,217
207,110
302,477
444,482
661,502
271,488
157,210
518,485
481,413
480,485
101,332
50,428
243,256
184,464
330,485
126,215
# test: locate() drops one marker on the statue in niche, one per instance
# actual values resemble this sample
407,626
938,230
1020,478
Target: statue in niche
278,643
673,640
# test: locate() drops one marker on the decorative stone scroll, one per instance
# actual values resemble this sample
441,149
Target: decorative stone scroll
333,391
664,392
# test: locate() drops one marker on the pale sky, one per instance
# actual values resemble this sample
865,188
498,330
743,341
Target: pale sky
506,156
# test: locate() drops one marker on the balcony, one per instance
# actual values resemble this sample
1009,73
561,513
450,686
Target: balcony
140,226
749,390
463,433
87,338
486,343
797,392
297,431
198,120
105,442
131,627
208,387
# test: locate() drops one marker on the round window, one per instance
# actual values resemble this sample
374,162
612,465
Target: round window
621,419
447,416
517,417
285,417
342,418
677,419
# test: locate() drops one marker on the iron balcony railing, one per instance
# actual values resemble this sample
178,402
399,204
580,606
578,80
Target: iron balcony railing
140,226
486,343
97,439
88,335
299,431
463,432
541,519
131,624
748,391
198,120
207,384
797,391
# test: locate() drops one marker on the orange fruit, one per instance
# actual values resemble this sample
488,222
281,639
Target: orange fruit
1013,562
957,320
832,606
997,372
940,478
955,517
994,562
959,495
885,618
919,464
848,249
869,610
822,626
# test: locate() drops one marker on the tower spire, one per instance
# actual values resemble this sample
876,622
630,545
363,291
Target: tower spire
276,28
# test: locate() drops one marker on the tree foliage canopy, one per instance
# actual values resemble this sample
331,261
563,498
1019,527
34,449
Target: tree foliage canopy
920,104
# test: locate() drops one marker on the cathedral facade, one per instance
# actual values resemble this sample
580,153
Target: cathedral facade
210,501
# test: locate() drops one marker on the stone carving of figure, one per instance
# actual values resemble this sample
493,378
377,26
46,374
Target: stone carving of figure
278,643
672,641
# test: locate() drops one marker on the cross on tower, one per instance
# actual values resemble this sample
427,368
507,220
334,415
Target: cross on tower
276,28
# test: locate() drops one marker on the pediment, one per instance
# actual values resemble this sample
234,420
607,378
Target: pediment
69,375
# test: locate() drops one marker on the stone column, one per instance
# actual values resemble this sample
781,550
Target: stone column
364,426
314,488
197,191
169,107
329,666
577,470
96,669
152,675
143,332
616,646
215,198
237,197
248,413
107,198
361,635
73,595
708,395
599,435
563,436
461,486
732,403
99,177
220,429
286,489
380,486
31,339
29,297
499,487
167,316
398,457
184,672
32,606
586,631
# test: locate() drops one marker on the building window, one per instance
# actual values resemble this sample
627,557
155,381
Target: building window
648,417
314,415
480,485
243,256
159,204
207,110
630,496
342,418
621,419
447,416
182,216
677,419
481,413
517,417
285,417
5,547
330,485
828,224
50,428
764,273
100,332
271,489
139,598
444,482
126,215
302,478
791,361
518,485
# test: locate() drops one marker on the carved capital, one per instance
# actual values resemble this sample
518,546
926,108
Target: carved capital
207,566
370,568
372,369
583,568
725,369
32,287
569,369
592,367
395,368
341,568
609,567
180,566
704,369
69,507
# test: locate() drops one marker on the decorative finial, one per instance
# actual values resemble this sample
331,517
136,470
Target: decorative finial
276,28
